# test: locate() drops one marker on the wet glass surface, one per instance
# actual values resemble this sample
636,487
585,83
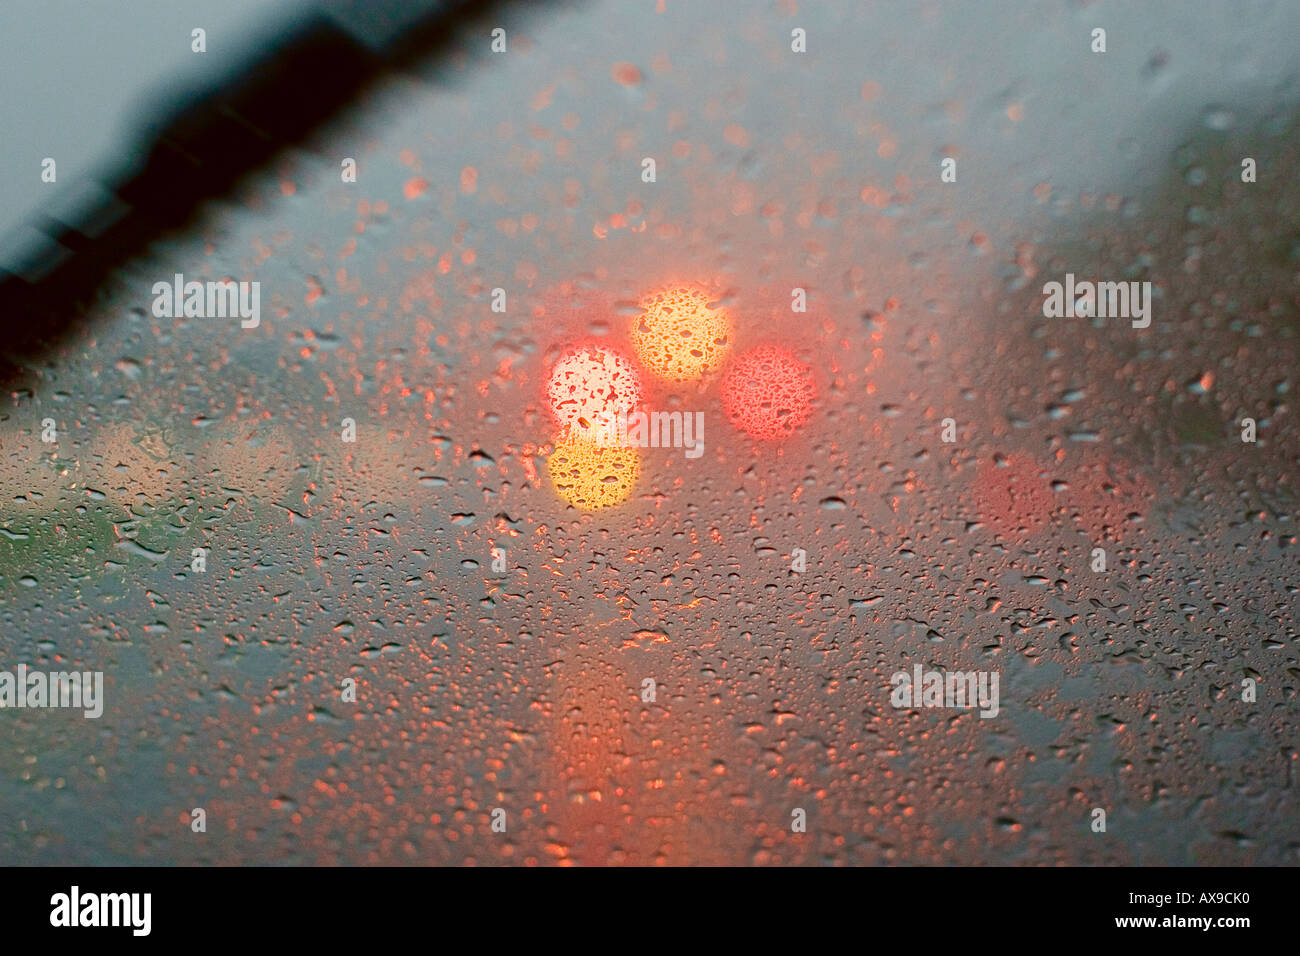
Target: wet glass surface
500,635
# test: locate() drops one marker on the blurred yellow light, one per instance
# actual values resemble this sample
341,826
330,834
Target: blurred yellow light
591,476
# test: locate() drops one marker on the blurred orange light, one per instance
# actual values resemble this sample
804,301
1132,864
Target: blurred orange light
679,337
